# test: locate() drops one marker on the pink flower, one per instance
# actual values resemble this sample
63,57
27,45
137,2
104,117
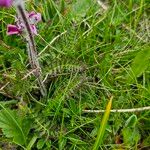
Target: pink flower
33,29
5,3
34,17
19,28
12,29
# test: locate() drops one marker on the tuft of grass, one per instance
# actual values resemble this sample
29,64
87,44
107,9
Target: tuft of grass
87,53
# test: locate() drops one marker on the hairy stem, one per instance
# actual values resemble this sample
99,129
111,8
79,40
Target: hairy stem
31,48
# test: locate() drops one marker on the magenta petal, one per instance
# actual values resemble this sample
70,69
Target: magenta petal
35,17
33,29
12,29
5,3
38,17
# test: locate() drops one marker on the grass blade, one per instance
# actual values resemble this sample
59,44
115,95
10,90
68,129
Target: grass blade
102,128
32,142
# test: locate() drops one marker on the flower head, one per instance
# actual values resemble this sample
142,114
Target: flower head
19,27
5,3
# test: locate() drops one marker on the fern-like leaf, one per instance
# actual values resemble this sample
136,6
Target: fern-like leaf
41,125
67,67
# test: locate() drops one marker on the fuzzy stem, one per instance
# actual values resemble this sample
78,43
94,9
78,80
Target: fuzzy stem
31,48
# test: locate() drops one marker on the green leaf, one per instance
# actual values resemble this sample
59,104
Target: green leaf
40,143
130,132
146,142
62,143
102,128
14,126
80,8
75,140
140,63
131,136
131,122
32,142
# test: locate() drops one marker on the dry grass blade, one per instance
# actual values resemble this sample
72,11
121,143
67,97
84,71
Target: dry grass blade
119,110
